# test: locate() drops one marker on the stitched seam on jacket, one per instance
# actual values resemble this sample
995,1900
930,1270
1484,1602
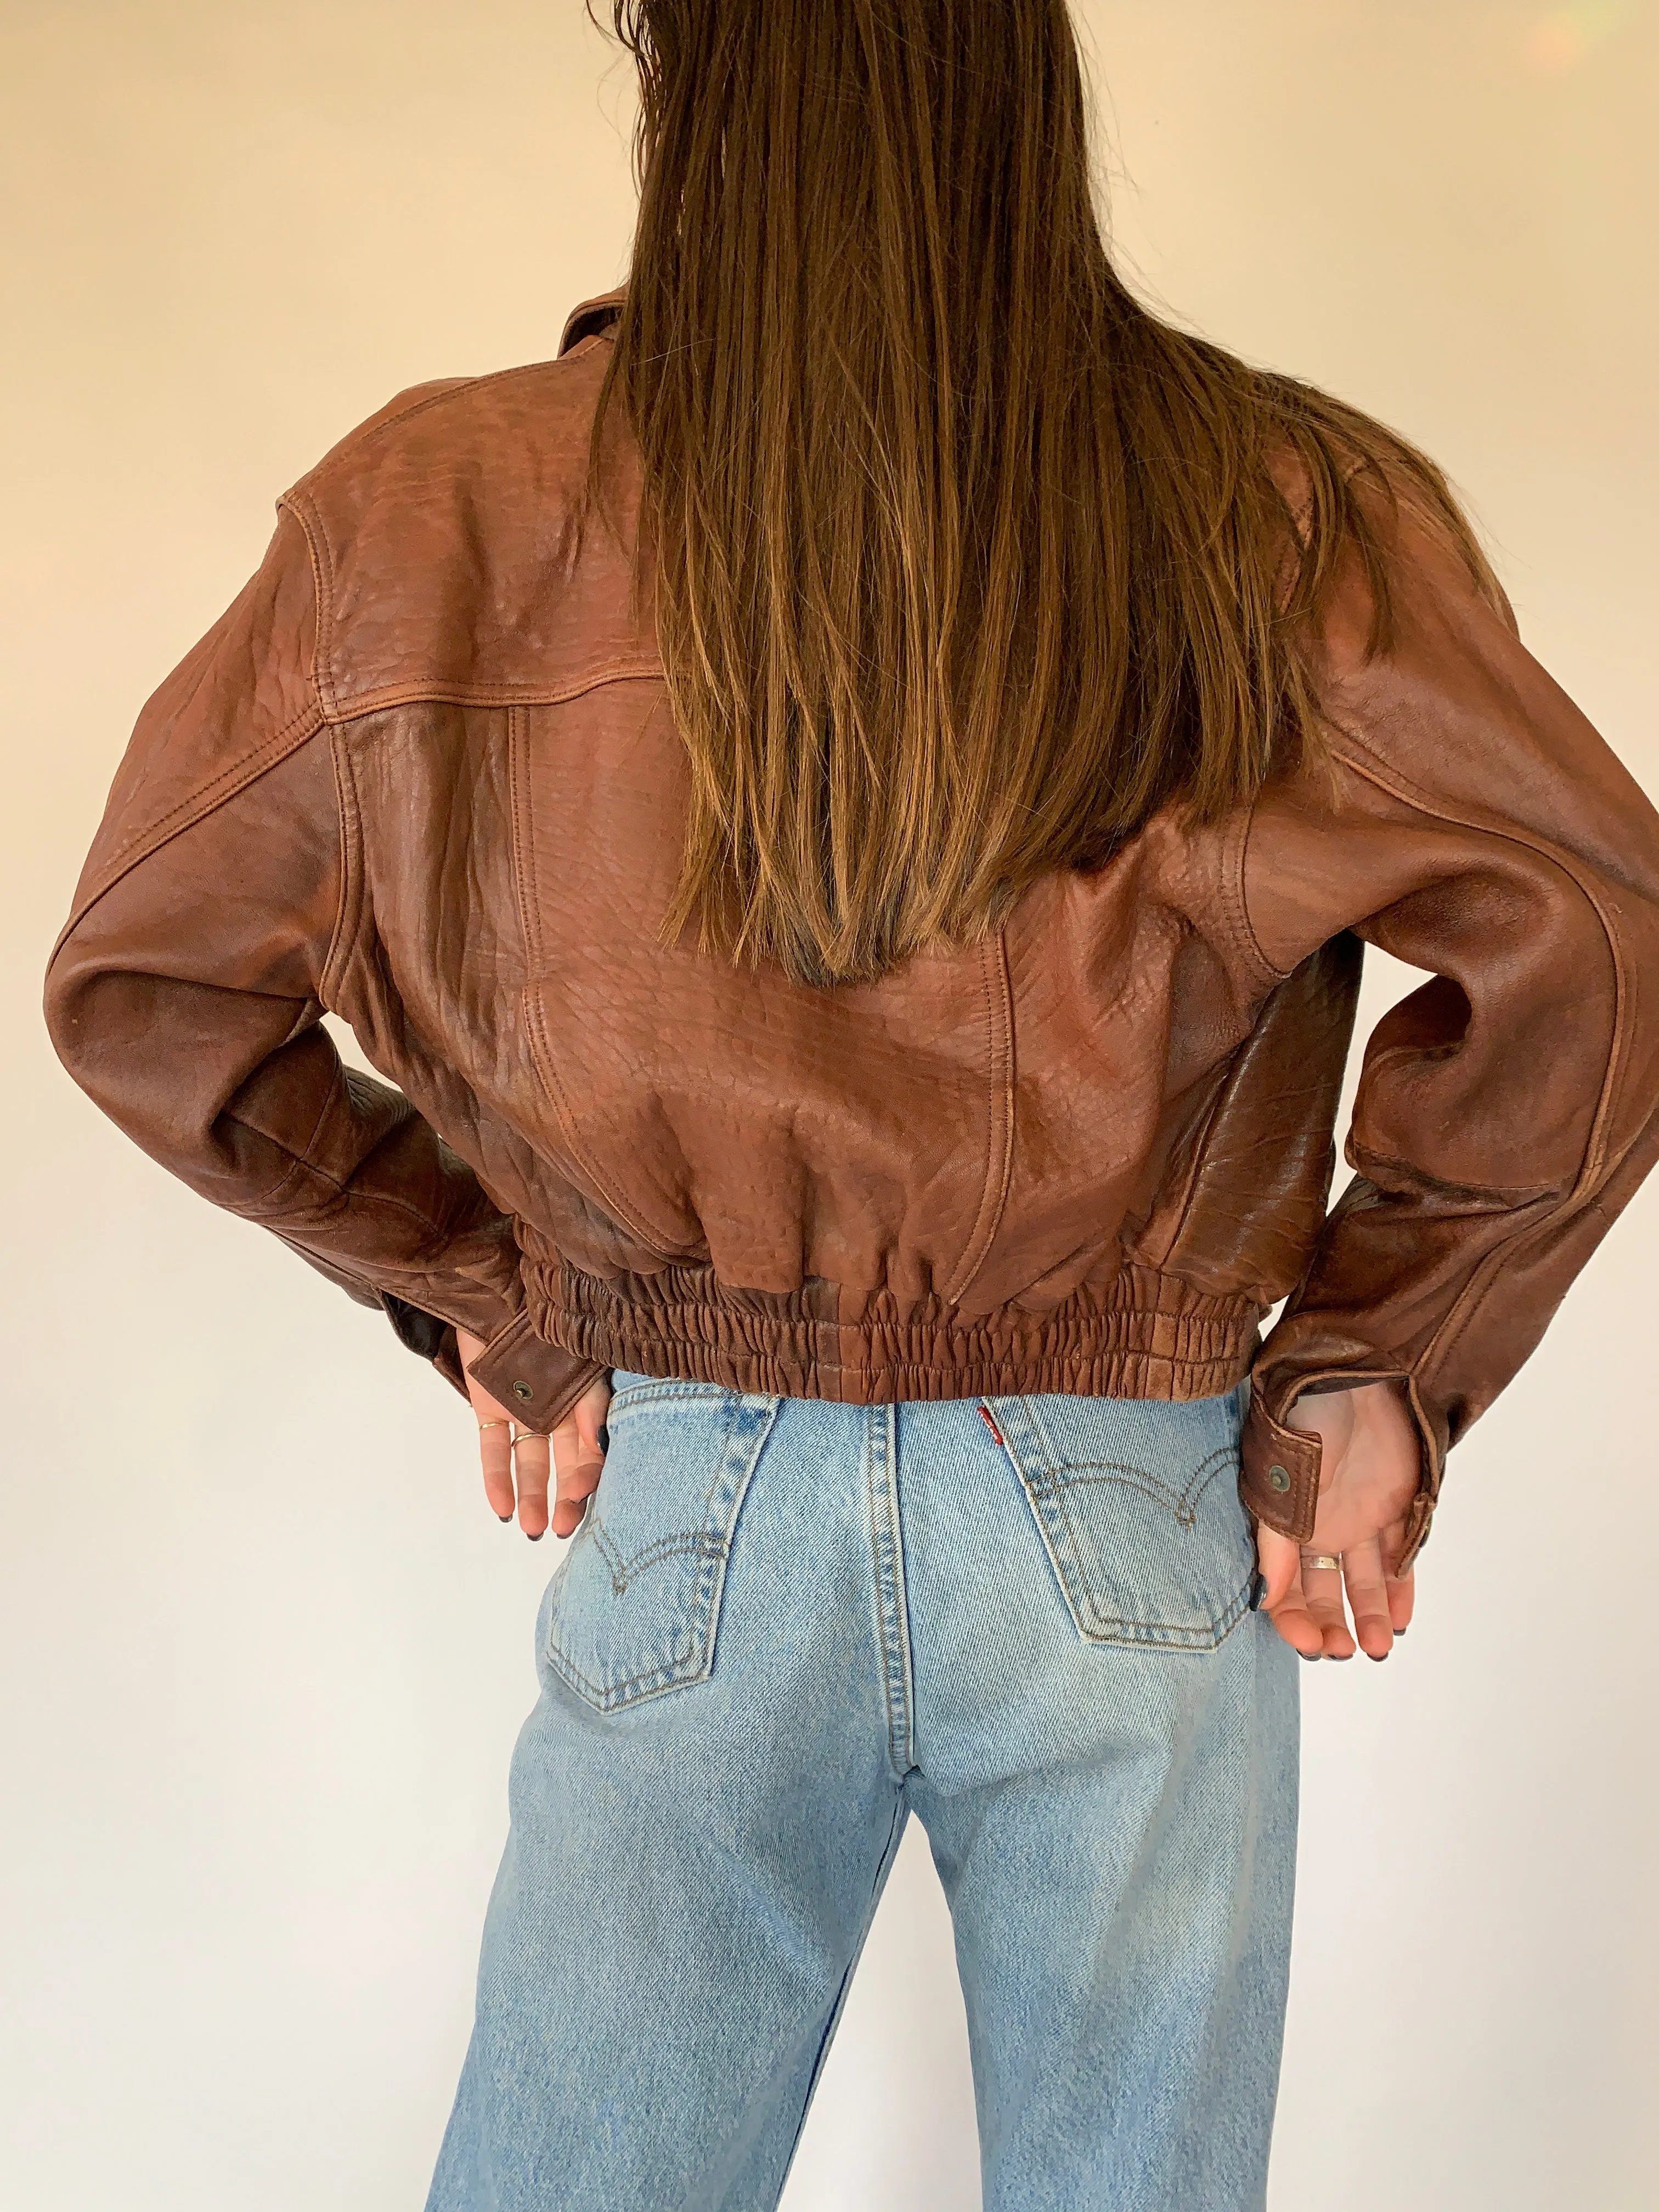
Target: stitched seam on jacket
344,942
1000,1117
215,793
518,782
1215,1372
703,1293
348,913
1238,903
541,1052
322,587
646,668
301,500
1221,1338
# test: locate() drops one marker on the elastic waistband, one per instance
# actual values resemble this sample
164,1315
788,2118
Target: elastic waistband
1141,1334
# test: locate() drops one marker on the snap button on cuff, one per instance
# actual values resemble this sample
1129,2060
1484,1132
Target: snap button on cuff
522,1389
1277,1479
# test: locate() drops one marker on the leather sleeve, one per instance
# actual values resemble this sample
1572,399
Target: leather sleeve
1474,825
186,993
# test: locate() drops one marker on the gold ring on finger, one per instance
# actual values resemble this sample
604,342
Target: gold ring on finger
1327,1560
483,1426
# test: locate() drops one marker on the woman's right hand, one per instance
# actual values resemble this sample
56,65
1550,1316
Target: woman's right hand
1369,1474
574,1450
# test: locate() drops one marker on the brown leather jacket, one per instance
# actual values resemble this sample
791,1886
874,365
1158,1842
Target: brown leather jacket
422,773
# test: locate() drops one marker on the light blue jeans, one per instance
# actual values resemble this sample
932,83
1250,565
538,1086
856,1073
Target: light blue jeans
784,1625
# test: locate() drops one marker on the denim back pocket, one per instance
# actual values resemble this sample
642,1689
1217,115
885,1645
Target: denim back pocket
634,1605
1137,1503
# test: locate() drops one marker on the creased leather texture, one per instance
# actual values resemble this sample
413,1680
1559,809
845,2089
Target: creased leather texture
422,774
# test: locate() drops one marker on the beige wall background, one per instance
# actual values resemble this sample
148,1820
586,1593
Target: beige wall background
262,1650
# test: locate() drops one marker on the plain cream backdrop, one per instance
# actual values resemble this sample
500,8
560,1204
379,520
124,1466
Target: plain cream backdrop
263,1649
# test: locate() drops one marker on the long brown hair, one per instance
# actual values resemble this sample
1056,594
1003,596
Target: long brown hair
964,563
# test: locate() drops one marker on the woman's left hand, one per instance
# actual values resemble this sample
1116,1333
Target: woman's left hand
1369,1469
571,1459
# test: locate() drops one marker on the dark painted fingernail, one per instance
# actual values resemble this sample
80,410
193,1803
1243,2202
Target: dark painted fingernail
1398,1633
537,1538
503,1518
1338,1655
1377,1657
1258,1591
1310,1655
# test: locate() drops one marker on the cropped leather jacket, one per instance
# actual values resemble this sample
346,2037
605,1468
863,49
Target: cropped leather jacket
422,775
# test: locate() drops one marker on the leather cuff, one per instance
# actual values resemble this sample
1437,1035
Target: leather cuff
537,1381
1417,1517
1421,1511
1279,1473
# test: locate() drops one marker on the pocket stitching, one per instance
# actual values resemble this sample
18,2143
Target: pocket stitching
687,1541
1113,1628
1075,1473
604,1700
1045,1494
697,1661
694,1543
711,1544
